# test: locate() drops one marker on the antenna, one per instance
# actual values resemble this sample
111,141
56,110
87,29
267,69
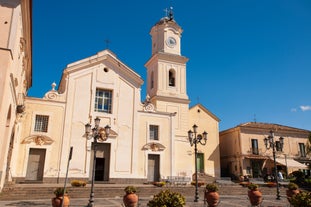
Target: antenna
171,14
166,12
255,120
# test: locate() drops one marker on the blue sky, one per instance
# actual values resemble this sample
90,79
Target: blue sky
249,59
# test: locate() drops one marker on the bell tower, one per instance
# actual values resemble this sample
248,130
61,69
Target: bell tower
166,69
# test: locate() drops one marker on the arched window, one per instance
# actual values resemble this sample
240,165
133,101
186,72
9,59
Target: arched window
171,77
151,80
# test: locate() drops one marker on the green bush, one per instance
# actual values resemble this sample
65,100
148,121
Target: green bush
167,198
159,184
60,191
78,183
211,187
301,199
253,186
130,189
200,183
292,186
308,181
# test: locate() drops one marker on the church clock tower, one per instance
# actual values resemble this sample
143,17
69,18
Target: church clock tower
166,71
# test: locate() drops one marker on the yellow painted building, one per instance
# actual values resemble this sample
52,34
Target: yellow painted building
15,75
148,140
243,150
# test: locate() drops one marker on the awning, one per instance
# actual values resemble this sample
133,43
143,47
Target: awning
257,157
290,163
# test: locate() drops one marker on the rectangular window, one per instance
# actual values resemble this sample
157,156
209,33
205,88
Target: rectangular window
278,146
41,123
153,132
302,149
255,150
103,100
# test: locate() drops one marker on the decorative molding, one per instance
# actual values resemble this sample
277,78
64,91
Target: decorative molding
148,106
153,146
38,140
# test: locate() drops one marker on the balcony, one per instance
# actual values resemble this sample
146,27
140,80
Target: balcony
255,151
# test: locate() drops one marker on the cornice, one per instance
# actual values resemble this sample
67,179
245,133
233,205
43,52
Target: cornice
170,99
100,57
167,57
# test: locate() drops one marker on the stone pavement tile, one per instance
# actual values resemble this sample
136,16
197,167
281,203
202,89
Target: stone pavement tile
225,201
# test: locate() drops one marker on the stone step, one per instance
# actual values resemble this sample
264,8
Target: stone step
27,192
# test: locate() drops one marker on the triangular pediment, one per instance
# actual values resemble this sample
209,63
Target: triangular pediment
103,61
200,106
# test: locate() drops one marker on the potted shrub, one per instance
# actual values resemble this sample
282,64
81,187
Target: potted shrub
292,189
78,183
200,183
271,184
211,195
301,199
60,196
159,184
254,195
167,198
130,199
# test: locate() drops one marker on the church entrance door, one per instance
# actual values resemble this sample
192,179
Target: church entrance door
153,168
35,167
102,161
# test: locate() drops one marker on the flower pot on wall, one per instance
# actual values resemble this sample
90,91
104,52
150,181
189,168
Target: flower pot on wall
212,198
59,194
255,197
130,200
292,190
57,201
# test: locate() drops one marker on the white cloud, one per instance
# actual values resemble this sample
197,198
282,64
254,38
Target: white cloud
305,108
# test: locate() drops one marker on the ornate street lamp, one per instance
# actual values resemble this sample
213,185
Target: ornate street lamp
98,134
270,143
194,139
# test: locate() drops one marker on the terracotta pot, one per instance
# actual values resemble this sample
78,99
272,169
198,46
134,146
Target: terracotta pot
57,201
212,198
130,200
291,193
255,197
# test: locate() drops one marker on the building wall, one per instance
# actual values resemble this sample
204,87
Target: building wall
240,137
207,122
165,122
230,152
52,142
15,74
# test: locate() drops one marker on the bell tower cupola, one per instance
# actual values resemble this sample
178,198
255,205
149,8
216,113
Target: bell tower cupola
166,35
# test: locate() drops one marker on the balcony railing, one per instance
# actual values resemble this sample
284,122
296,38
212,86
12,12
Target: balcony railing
255,151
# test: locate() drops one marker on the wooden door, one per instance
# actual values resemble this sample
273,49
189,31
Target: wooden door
153,168
35,167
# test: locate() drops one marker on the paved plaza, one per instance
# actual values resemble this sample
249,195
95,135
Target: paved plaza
225,201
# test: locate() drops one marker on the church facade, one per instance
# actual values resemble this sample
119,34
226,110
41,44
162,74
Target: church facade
148,141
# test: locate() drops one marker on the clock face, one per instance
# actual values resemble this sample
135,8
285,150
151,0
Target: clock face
171,41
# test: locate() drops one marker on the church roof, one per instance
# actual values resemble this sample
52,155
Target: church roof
267,127
206,111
